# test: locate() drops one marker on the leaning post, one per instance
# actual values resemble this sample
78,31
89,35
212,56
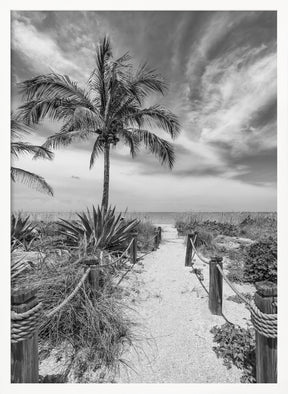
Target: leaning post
188,257
266,348
133,248
25,319
215,286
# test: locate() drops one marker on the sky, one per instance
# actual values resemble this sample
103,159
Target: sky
221,69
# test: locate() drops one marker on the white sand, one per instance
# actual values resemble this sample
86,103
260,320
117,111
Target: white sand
171,307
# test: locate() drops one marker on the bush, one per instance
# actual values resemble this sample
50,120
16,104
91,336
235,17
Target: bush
23,233
203,238
237,346
98,230
260,262
209,226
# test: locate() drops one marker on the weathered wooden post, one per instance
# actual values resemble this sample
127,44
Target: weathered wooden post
215,286
266,348
156,239
25,318
133,248
188,257
160,234
94,276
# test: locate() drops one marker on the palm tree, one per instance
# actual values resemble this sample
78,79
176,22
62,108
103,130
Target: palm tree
110,109
19,147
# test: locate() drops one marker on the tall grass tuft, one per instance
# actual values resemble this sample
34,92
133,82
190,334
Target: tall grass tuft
99,330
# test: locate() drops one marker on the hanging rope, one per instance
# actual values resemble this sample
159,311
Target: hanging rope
122,255
201,280
152,239
232,286
205,261
264,323
67,299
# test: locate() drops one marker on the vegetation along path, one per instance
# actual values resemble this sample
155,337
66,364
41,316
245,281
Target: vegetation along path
173,321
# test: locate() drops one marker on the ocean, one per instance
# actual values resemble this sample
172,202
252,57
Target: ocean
158,217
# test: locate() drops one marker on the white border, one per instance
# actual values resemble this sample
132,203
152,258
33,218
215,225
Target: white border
282,188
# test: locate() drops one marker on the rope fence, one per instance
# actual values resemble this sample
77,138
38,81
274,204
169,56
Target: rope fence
70,296
263,310
264,323
201,258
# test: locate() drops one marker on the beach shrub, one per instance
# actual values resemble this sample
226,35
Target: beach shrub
236,345
213,227
146,232
235,270
260,262
259,227
98,230
22,231
204,238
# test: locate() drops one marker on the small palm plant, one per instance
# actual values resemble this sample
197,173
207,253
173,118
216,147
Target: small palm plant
110,109
19,147
99,229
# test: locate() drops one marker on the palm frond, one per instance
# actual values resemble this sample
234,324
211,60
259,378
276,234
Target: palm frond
30,179
131,139
161,148
158,116
65,138
34,111
52,86
85,119
97,78
18,128
52,95
98,148
147,81
18,148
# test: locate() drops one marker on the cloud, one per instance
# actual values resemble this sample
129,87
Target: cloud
222,74
39,53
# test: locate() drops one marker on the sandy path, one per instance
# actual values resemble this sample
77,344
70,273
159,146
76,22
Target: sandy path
171,309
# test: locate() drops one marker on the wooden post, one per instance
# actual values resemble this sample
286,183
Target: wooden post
94,276
266,348
24,354
156,239
215,286
160,234
188,257
133,248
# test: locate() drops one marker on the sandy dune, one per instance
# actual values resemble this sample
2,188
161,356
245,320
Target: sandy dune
171,309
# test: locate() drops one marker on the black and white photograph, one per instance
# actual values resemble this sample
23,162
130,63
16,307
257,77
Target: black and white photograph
143,196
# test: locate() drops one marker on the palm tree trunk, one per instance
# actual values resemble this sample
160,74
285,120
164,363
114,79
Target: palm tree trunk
105,196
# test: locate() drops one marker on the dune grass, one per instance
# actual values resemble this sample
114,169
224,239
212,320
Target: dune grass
253,225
